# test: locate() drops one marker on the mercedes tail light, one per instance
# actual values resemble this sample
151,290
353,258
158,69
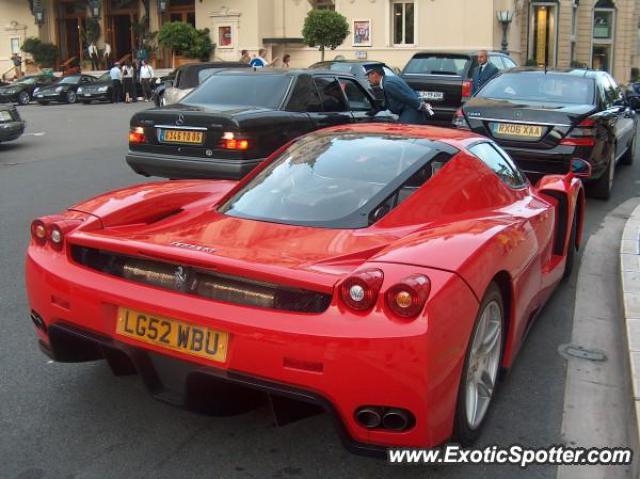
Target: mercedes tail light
467,89
230,141
459,121
136,135
407,298
584,134
360,291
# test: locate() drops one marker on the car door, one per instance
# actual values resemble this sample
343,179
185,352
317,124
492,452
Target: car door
361,103
623,114
334,109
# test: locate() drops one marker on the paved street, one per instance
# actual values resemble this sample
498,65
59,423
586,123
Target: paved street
78,421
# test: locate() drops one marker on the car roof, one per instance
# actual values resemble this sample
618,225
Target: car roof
355,62
580,72
459,52
295,72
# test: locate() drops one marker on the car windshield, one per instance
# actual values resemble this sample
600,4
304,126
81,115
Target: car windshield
327,178
72,80
438,64
265,91
538,86
105,77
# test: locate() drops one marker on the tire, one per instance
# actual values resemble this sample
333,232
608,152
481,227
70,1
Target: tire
601,188
490,314
24,98
571,249
71,97
630,154
43,102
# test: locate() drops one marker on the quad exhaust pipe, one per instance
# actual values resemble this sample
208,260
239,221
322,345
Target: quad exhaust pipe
390,419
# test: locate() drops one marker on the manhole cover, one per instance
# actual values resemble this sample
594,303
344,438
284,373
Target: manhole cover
573,351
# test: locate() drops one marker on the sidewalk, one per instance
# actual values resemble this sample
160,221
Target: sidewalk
630,272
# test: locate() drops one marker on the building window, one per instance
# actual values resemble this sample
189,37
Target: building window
604,22
403,22
543,32
574,30
15,45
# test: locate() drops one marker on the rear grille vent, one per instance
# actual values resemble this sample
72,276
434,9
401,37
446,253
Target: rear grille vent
199,282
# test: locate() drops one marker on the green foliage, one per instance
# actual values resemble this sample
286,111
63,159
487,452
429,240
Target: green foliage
92,30
325,29
183,39
177,36
44,54
201,47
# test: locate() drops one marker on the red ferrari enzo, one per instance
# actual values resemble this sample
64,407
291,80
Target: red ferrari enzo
385,273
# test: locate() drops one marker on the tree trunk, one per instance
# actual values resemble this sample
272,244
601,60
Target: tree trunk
322,53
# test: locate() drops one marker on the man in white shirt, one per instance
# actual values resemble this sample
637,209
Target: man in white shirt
260,62
146,74
116,78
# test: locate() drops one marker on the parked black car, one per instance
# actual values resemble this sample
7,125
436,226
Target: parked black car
64,90
21,91
11,125
237,118
543,119
444,79
189,76
102,90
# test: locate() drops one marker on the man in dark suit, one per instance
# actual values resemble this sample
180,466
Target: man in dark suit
399,97
484,72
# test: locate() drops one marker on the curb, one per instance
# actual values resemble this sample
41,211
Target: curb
630,277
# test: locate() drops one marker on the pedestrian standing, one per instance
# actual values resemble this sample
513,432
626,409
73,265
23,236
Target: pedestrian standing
17,65
146,74
93,55
106,55
127,77
399,97
484,72
259,60
116,78
245,57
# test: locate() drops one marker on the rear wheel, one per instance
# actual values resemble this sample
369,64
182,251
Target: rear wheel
480,372
23,98
71,96
630,154
601,188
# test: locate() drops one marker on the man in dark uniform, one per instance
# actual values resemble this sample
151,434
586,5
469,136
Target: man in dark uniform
399,97
484,72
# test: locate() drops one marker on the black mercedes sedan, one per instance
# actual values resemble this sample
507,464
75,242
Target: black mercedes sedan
21,91
64,91
237,118
543,119
11,125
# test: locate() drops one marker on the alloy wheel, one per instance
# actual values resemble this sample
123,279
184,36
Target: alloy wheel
484,359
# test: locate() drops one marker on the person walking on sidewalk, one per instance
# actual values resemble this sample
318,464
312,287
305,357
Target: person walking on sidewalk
116,77
146,74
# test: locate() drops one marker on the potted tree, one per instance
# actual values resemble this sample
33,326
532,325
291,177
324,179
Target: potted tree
44,54
325,29
178,37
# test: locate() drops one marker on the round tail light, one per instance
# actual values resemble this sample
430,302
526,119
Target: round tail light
360,291
39,231
407,298
56,237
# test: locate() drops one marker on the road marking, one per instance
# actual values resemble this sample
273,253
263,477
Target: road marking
38,133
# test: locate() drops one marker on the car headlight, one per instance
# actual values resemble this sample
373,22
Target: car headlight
158,81
36,90
102,89
79,89
59,89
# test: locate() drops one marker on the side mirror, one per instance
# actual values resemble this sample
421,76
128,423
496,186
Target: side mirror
580,168
634,101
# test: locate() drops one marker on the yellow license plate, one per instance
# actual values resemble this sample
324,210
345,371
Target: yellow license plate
173,334
181,136
523,131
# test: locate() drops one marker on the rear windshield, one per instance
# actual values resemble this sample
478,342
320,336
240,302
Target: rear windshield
266,91
538,86
325,179
438,64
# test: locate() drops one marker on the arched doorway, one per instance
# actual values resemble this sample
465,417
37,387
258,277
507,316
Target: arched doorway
121,17
70,26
